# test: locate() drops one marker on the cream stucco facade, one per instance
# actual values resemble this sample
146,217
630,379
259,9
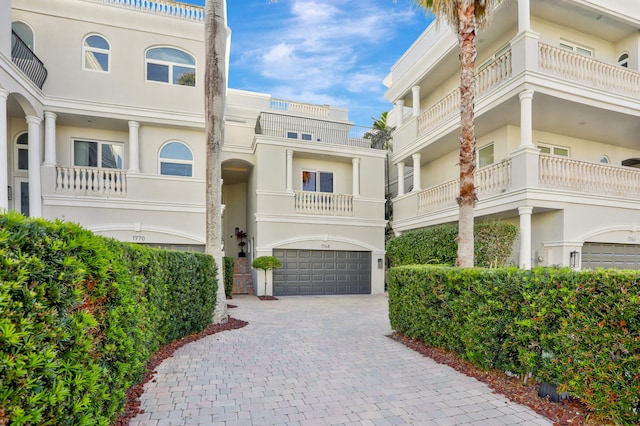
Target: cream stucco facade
102,123
557,130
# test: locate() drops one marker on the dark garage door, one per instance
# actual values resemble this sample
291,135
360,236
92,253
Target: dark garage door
602,255
316,272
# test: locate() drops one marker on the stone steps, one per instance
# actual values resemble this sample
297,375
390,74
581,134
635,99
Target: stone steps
242,277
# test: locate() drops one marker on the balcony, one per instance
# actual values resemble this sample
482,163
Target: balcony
27,61
91,181
323,203
159,7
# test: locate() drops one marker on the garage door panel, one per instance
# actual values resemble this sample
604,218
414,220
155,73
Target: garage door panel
316,272
603,255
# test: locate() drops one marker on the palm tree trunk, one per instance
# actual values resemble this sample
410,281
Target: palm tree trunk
215,92
466,38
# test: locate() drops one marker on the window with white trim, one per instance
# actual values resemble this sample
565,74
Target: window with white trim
583,50
107,155
485,155
176,159
169,65
25,33
299,135
315,181
560,151
22,152
604,159
96,53
504,49
623,60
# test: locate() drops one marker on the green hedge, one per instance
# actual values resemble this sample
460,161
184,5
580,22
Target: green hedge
493,242
577,329
80,316
228,263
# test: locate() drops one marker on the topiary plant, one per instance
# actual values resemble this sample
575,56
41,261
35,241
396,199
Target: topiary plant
266,263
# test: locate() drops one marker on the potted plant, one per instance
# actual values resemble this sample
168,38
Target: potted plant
241,235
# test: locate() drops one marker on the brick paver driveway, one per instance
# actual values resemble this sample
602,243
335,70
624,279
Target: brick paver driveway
316,361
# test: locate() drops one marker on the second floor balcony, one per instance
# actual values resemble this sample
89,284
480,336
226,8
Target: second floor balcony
27,61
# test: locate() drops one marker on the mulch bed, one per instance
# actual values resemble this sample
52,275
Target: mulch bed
267,298
568,412
132,407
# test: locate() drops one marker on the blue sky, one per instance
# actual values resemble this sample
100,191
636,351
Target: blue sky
334,52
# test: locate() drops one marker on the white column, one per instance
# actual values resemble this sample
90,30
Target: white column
526,119
356,177
4,161
50,138
35,185
289,170
525,236
134,147
399,108
416,172
524,22
400,178
415,90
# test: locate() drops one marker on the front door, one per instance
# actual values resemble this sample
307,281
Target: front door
22,196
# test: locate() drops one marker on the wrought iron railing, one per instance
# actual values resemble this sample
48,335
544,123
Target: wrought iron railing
27,61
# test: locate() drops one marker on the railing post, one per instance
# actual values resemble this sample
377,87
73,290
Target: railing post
524,52
524,167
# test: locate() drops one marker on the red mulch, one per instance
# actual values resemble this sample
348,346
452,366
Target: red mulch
267,298
568,412
132,407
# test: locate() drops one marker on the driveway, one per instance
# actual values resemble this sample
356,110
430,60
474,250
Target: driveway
321,360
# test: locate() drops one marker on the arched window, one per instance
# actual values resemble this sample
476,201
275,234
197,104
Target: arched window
604,159
623,60
24,32
173,66
96,53
22,152
176,159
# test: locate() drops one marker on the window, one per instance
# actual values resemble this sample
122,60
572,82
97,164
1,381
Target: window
504,49
96,51
485,155
623,60
586,51
22,152
604,159
98,154
310,180
173,66
24,32
554,150
176,159
299,135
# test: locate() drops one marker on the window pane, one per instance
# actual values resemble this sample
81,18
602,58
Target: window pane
168,54
292,135
24,198
96,61
184,76
563,152
308,181
486,156
23,159
157,72
545,149
306,137
23,139
176,151
85,153
326,182
174,169
111,156
24,32
96,41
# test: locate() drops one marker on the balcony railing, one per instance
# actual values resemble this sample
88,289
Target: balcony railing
27,61
595,178
312,109
490,180
323,203
160,7
91,181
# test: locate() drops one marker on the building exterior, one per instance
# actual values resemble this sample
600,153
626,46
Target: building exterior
102,123
557,130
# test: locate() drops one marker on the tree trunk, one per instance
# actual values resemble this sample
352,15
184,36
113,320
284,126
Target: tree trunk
215,92
466,38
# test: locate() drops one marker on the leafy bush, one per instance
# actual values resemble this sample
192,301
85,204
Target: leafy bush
493,243
228,275
81,314
577,329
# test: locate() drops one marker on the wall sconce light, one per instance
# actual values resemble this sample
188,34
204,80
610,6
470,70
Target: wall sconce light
237,230
380,264
9,192
574,258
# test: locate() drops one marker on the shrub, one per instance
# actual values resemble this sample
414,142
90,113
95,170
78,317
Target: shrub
576,329
493,243
81,314
228,275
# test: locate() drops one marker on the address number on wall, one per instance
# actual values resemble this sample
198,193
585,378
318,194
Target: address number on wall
138,237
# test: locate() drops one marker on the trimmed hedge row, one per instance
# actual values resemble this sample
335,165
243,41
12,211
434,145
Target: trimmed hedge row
228,275
580,330
493,242
80,316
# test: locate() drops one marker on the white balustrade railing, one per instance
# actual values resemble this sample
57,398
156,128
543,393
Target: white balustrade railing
160,7
494,179
323,203
581,176
590,71
312,109
91,181
490,76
